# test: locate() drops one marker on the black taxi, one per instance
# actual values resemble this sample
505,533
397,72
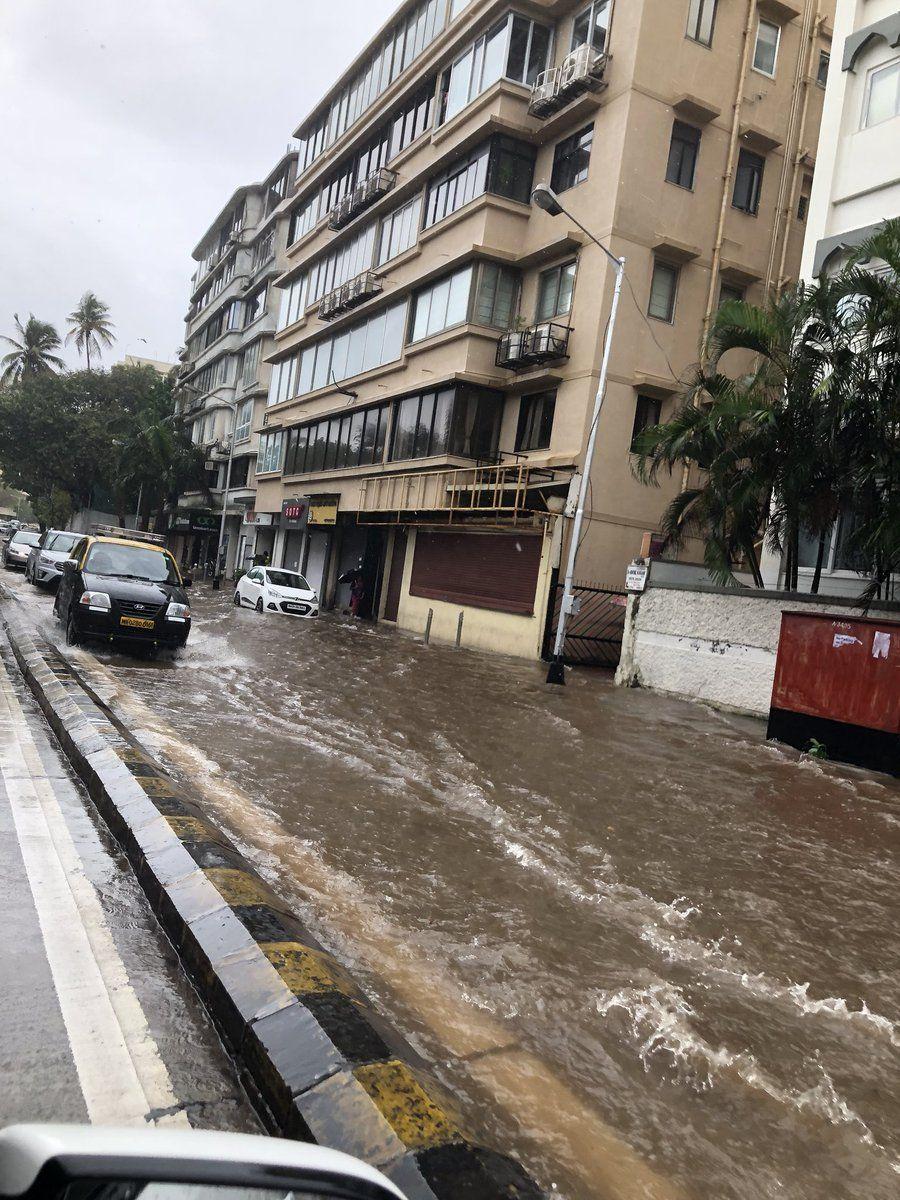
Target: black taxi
123,586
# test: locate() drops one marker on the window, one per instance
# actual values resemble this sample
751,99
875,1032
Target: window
555,288
501,165
458,6
765,55
254,306
240,472
293,301
730,291
571,160
701,19
303,218
496,296
683,150
590,27
535,421
663,287
375,340
268,457
243,421
748,182
399,231
250,364
803,200
463,421
882,95
263,250
441,305
348,439
822,70
647,411
351,258
516,48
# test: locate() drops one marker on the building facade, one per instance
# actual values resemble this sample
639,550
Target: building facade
855,189
224,373
439,338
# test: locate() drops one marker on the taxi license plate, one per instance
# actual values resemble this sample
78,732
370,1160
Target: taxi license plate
300,608
136,622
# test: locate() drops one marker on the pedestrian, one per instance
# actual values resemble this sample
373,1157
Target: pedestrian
357,593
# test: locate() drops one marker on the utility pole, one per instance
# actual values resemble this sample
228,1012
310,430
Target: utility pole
219,571
544,197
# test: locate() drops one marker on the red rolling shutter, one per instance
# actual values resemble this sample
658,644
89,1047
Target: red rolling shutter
486,570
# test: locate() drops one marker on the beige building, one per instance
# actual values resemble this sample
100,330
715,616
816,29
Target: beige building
224,374
439,338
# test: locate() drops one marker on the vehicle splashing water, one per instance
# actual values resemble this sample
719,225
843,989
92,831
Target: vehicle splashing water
686,931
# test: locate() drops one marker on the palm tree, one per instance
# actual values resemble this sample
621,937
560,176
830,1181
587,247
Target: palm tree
31,354
91,326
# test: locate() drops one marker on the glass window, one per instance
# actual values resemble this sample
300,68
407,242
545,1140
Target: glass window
243,421
683,150
663,287
406,419
511,169
555,288
535,421
571,160
441,305
399,230
457,185
516,47
647,412
463,421
748,182
590,27
293,302
268,456
765,54
882,95
701,19
822,69
730,291
255,306
496,296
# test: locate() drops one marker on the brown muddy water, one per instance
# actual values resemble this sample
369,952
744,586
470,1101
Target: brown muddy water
684,938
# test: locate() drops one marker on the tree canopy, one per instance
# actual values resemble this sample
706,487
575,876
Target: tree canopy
31,352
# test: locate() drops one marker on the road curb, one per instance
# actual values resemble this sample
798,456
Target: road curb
318,1059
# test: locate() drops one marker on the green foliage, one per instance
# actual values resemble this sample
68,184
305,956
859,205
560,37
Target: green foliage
810,432
53,511
31,352
817,749
91,327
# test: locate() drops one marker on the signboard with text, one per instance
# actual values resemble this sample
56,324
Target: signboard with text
636,575
293,513
323,510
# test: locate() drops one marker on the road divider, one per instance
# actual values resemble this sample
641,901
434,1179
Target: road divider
319,1061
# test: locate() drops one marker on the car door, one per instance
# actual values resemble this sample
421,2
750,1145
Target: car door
252,585
68,578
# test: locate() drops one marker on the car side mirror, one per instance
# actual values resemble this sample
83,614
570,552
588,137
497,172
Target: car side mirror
55,1162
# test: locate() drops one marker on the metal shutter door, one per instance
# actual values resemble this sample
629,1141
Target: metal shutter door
497,571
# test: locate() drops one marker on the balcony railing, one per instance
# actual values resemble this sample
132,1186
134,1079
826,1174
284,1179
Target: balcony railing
581,71
496,493
521,349
376,185
357,290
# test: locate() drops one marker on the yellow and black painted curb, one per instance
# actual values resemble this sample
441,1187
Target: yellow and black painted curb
319,1061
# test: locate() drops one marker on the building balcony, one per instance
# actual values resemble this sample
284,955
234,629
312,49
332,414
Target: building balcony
495,495
521,349
376,185
579,72
355,291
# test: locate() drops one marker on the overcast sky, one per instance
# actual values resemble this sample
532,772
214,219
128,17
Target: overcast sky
126,125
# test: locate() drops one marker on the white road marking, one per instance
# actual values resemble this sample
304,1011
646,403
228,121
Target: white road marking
121,1073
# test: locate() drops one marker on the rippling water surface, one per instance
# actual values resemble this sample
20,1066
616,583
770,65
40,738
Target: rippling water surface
690,930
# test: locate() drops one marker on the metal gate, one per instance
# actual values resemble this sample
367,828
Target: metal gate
594,632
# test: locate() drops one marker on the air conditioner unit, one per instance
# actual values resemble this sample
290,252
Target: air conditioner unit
545,85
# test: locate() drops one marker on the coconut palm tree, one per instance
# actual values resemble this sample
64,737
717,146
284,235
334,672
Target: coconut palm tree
31,353
91,326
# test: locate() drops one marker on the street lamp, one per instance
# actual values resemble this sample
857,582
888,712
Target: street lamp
217,578
545,198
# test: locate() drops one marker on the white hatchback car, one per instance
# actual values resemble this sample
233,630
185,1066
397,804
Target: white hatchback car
272,589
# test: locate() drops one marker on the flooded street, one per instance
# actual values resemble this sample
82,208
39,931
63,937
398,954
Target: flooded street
686,935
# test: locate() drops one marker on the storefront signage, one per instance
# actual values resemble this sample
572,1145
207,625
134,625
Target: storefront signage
636,575
323,510
293,513
262,518
192,522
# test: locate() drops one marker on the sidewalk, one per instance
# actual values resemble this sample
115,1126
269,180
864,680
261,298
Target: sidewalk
96,1022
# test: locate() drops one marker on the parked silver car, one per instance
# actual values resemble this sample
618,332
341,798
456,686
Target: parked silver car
18,548
44,566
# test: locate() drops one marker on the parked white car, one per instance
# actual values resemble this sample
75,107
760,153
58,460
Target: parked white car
272,589
45,561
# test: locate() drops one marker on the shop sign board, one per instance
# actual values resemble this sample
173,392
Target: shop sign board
323,510
636,575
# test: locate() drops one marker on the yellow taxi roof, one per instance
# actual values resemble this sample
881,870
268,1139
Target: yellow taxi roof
114,541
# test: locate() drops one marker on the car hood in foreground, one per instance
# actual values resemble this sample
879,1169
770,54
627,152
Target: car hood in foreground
141,591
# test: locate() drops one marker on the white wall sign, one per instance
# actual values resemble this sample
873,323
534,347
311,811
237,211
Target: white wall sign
636,575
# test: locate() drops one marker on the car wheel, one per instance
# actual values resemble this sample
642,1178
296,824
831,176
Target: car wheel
73,637
237,599
259,607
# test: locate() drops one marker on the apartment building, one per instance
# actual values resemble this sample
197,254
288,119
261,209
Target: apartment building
224,374
439,338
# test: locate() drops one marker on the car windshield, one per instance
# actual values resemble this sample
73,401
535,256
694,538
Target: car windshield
26,538
288,579
131,562
61,542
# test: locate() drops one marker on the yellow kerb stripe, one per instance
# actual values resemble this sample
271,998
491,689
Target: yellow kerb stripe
416,1119
192,829
238,887
305,970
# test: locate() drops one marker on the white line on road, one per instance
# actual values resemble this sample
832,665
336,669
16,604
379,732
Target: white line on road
121,1073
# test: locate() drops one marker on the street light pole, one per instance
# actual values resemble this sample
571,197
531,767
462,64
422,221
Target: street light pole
545,198
216,576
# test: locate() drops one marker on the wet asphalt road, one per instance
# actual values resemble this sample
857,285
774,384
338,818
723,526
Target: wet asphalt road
687,936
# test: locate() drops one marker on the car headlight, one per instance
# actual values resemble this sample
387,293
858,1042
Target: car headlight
95,600
179,612
45,562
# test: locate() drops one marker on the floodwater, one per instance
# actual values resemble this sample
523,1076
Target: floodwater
684,939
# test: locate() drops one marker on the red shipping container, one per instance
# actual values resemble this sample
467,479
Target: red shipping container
837,680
